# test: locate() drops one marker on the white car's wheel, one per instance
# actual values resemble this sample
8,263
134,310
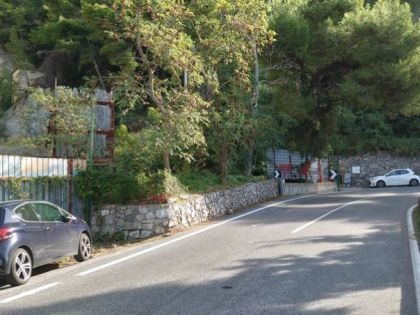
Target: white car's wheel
380,184
414,182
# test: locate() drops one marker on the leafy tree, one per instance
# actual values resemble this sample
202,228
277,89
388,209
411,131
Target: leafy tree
230,35
184,56
336,54
159,51
17,19
66,116
414,4
70,28
224,138
168,57
381,44
5,91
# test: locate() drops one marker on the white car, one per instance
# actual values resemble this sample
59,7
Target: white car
400,177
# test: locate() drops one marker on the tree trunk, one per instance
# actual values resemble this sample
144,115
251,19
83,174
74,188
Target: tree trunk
224,172
166,161
249,158
251,145
224,164
151,91
98,73
257,75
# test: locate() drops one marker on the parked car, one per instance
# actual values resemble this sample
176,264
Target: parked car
399,177
35,233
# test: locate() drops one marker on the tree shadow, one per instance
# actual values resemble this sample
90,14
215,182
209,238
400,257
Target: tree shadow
329,282
373,268
37,271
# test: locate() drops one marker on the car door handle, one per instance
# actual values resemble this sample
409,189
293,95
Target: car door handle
48,228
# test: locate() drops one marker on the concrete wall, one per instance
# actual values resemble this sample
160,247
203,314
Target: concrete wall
316,188
142,221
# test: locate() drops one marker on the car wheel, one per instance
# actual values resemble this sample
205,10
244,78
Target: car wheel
21,268
414,182
380,184
85,248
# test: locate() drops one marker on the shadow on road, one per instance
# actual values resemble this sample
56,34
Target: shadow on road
37,271
283,282
286,284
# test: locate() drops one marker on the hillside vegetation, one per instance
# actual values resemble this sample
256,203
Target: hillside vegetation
206,87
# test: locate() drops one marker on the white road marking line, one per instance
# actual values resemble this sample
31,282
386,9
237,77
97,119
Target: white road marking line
324,215
148,250
415,255
30,292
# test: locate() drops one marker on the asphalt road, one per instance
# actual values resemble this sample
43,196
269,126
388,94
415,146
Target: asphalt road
341,253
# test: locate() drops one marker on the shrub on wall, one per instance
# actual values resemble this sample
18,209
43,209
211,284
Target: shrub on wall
107,185
104,185
133,177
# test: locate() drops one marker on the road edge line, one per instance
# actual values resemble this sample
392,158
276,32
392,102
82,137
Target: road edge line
304,226
415,255
191,234
28,293
213,226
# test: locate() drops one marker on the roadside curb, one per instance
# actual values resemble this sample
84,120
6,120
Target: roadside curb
415,255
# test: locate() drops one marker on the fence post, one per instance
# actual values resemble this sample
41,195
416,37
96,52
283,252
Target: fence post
70,186
320,177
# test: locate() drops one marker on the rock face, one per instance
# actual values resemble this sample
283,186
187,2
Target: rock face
6,68
6,64
24,79
26,118
147,220
12,123
15,124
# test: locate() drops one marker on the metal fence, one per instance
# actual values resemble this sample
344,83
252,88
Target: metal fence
295,166
104,132
47,179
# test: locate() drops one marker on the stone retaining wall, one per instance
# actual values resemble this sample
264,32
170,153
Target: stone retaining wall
142,221
376,164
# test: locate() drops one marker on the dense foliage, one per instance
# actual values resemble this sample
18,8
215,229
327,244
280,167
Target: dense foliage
350,72
213,84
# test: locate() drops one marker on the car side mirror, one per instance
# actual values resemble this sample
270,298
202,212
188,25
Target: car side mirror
67,218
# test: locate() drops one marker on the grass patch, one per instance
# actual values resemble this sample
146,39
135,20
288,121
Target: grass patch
206,181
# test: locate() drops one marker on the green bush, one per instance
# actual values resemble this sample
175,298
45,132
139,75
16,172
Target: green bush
205,181
129,178
136,152
135,175
199,181
107,185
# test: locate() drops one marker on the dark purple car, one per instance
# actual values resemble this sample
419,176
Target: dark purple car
35,233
